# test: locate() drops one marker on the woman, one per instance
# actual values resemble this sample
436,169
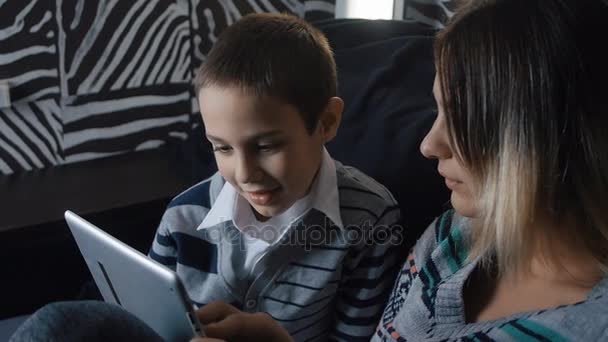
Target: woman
521,140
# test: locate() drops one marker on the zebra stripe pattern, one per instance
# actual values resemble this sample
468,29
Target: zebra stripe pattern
434,13
115,45
28,50
30,136
106,124
127,71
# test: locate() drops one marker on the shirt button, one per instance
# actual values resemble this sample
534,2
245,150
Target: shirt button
251,303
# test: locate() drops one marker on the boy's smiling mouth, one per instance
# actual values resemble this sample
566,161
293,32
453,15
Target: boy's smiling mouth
261,197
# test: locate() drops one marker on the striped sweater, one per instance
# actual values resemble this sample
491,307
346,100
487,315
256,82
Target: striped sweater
319,281
426,303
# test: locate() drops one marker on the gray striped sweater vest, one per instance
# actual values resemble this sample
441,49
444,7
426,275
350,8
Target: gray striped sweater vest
426,303
319,281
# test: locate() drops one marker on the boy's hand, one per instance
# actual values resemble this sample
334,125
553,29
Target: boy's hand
224,322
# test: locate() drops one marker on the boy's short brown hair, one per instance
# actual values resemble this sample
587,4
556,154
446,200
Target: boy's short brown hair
276,55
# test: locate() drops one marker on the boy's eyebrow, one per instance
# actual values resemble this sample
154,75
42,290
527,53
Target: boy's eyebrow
259,136
268,134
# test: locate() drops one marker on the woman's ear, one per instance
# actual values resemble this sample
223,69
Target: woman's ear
330,118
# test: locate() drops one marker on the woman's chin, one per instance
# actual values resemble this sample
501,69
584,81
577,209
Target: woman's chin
463,205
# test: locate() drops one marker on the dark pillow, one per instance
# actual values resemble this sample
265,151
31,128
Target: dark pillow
385,78
347,33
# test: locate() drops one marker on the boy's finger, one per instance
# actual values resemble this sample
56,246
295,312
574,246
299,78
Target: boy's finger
226,329
206,339
249,327
214,312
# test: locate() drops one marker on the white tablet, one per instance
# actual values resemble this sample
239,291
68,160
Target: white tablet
126,277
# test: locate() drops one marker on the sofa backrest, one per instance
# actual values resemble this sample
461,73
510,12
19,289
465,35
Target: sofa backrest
385,73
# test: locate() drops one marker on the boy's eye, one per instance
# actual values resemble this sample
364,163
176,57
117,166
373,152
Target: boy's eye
268,147
222,149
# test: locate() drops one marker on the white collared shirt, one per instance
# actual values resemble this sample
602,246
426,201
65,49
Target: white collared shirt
231,206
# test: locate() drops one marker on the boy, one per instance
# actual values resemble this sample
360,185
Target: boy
281,228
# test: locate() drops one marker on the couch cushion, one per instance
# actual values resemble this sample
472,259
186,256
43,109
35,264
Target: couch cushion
385,79
8,326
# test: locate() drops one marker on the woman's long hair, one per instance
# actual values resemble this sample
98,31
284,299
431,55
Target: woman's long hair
525,87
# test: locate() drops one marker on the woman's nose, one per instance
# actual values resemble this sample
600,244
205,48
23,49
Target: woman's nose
435,144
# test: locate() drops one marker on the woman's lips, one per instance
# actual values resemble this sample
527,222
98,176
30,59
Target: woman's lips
450,183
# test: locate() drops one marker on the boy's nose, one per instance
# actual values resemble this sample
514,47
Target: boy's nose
247,170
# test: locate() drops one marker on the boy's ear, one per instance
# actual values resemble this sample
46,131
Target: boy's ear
330,118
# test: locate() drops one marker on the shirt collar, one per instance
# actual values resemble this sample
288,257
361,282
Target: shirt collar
223,209
323,196
324,192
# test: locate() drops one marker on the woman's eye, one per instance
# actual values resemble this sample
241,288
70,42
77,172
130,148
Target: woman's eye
221,149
